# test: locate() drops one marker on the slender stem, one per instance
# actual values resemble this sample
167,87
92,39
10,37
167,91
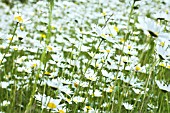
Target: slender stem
89,62
10,42
126,38
147,83
107,21
49,21
42,58
167,102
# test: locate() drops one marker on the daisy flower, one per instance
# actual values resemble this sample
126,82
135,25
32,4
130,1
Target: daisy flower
162,85
49,102
128,106
150,27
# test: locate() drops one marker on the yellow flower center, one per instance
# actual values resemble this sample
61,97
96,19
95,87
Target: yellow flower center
104,13
124,59
15,48
21,28
51,105
162,44
110,90
114,78
61,111
97,65
168,66
103,35
129,46
34,65
10,38
91,78
18,18
88,107
122,40
148,35
75,100
111,35
108,51
101,50
49,48
137,68
162,64
129,52
75,84
156,33
52,27
47,73
102,60
2,47
43,35
68,100
166,11
116,28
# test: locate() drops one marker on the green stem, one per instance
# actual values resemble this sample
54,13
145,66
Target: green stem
49,21
42,58
126,38
89,62
10,42
147,83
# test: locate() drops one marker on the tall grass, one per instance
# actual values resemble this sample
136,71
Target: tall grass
75,56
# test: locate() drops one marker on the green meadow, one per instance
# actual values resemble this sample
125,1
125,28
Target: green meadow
85,56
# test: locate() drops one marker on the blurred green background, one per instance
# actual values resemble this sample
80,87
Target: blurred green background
11,3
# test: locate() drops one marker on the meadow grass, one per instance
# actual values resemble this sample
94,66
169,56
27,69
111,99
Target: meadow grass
100,56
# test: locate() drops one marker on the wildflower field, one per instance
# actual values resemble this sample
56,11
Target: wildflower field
85,56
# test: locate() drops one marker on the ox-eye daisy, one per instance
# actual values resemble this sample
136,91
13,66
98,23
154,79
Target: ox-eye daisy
128,106
162,86
150,27
49,102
